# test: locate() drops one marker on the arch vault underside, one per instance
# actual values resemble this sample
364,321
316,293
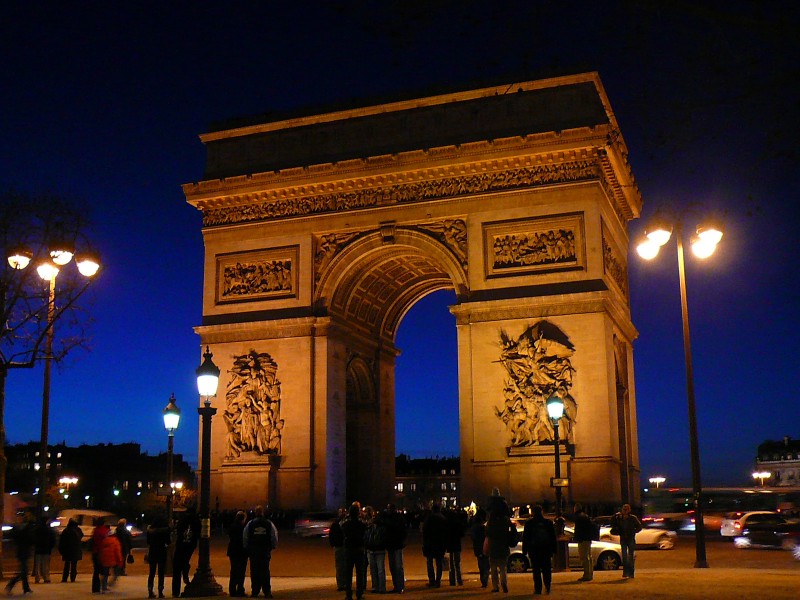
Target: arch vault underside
322,231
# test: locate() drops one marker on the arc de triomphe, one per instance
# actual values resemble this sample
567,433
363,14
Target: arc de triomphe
322,230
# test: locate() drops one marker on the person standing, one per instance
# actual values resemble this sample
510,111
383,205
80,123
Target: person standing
539,545
375,543
187,534
69,546
23,540
237,556
158,538
260,538
455,531
478,535
584,534
354,529
626,525
44,540
125,543
498,530
434,544
336,540
101,531
111,561
395,542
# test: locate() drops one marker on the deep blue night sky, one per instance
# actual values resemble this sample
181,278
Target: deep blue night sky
105,101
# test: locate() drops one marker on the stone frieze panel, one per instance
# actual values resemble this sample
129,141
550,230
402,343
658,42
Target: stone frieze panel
534,245
259,275
453,234
264,207
327,247
538,364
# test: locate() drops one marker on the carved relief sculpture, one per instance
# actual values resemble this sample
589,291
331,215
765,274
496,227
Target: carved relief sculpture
614,266
534,245
538,365
453,233
253,406
258,275
328,246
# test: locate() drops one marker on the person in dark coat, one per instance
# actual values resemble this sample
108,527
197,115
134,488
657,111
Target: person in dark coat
70,548
478,535
497,505
354,529
434,544
498,527
23,539
125,544
627,525
375,544
456,525
187,535
584,534
539,545
44,540
397,534
237,556
260,538
158,538
336,540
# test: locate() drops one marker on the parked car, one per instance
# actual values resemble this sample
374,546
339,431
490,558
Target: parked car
761,528
607,556
314,524
648,537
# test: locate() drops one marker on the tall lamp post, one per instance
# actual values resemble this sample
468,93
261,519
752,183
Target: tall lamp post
657,480
761,476
172,417
555,410
658,233
203,583
88,265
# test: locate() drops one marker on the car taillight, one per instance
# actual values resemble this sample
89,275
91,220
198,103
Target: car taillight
737,525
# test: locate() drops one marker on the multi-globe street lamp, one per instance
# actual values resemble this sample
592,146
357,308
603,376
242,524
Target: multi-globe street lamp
172,417
60,254
555,410
657,480
762,476
708,235
203,583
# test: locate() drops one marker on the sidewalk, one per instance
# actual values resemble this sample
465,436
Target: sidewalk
688,583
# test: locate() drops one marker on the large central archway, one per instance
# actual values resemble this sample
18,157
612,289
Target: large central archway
322,231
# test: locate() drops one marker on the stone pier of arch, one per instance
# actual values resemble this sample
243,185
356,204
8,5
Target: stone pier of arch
322,230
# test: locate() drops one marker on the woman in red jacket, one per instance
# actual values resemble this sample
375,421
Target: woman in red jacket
110,557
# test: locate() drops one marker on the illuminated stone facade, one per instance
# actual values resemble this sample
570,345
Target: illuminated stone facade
322,230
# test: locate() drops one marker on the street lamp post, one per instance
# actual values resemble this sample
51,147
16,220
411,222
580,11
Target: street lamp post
555,409
203,583
708,236
761,476
88,265
172,417
657,480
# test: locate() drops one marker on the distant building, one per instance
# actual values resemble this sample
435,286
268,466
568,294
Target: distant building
420,481
108,475
782,460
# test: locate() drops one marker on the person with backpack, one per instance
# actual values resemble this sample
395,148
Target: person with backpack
626,525
539,545
397,533
585,532
478,535
375,543
260,538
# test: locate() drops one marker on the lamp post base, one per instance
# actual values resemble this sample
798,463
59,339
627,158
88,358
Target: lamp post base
203,585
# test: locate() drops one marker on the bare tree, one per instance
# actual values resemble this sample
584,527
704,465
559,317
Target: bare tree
32,223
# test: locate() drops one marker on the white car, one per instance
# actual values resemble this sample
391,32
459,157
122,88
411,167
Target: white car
648,537
734,522
607,556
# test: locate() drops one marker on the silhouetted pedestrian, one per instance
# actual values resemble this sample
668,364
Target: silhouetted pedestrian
237,554
354,529
498,529
125,544
336,540
44,540
395,542
375,544
186,537
584,534
158,538
478,534
626,525
434,544
101,530
260,538
539,544
456,524
22,535
70,548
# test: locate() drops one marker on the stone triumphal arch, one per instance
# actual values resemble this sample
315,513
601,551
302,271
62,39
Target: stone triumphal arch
322,230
